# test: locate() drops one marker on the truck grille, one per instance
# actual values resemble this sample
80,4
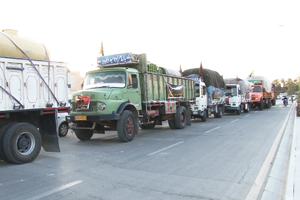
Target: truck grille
92,107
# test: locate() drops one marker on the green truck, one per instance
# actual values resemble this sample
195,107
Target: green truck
128,92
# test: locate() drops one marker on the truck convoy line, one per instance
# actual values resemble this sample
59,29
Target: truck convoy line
128,92
125,94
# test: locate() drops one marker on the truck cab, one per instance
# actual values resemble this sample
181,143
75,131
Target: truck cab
106,92
199,109
257,96
233,98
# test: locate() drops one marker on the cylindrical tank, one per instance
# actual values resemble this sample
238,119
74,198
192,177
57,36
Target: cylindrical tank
33,49
171,72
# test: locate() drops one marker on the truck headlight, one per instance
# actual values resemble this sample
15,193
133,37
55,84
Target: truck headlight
102,106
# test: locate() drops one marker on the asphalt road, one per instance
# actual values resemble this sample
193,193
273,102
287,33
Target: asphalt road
216,159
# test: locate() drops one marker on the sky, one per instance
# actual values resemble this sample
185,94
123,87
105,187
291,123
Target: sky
232,37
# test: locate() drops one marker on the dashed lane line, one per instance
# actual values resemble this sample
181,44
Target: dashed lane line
42,195
212,129
163,149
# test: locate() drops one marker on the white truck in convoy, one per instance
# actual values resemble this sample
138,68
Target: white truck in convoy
238,95
209,93
33,90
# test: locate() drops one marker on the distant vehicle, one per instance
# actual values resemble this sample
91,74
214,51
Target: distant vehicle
62,124
263,92
238,95
209,94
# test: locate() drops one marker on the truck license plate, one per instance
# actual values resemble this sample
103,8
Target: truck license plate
80,118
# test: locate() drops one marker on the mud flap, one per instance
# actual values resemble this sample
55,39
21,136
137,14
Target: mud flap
48,130
188,116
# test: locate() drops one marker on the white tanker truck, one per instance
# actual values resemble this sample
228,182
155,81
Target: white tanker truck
33,90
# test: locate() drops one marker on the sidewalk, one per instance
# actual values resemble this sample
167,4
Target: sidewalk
293,178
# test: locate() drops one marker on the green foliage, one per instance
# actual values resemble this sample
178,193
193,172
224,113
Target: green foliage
287,86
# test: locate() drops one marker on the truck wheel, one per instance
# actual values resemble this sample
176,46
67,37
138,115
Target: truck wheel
219,113
63,129
2,132
127,126
238,112
204,116
21,143
261,105
84,134
172,124
181,117
269,105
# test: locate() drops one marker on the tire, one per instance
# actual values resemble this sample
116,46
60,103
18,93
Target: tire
219,113
181,117
204,117
215,115
269,105
127,126
238,112
22,143
84,134
261,105
172,124
2,132
63,129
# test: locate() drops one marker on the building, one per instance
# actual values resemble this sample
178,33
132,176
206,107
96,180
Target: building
76,80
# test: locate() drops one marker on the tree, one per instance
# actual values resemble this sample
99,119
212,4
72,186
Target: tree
278,87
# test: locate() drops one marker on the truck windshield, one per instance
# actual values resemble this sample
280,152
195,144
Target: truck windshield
231,91
256,89
105,79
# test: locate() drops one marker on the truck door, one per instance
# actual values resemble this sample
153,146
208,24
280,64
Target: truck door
203,96
133,91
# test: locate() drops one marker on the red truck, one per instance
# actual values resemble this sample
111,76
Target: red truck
263,92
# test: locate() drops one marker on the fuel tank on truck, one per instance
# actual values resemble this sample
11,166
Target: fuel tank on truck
32,48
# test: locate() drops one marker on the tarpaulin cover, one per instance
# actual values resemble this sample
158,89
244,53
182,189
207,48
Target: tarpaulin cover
213,80
210,77
245,85
260,80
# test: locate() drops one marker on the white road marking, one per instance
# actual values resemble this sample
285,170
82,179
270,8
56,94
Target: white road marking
163,149
212,129
42,195
110,137
234,120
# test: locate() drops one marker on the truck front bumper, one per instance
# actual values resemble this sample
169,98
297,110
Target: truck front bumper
93,118
230,108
